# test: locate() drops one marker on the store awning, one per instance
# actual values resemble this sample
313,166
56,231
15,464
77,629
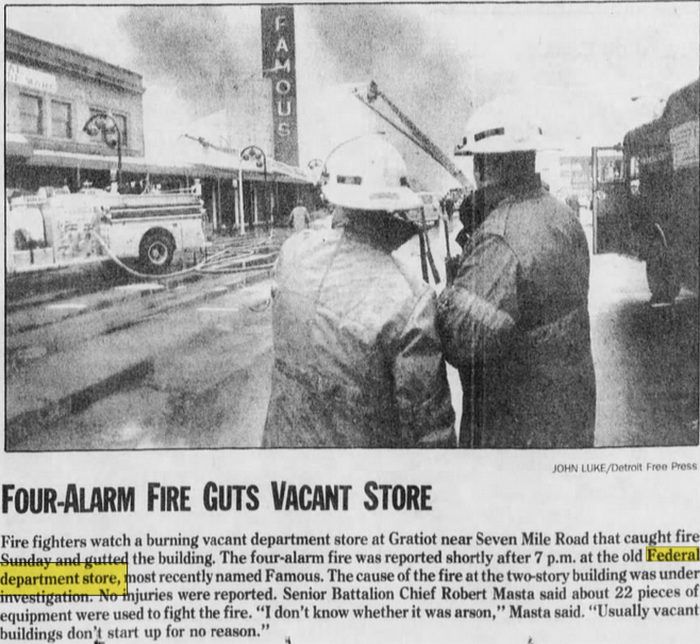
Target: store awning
284,178
17,145
251,172
288,174
136,165
225,163
220,165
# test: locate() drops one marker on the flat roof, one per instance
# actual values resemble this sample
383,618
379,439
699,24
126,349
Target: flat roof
34,51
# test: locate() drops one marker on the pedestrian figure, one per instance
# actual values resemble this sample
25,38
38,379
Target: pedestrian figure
299,218
515,320
358,362
449,206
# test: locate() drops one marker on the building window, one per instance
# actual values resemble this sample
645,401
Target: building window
30,114
61,120
119,119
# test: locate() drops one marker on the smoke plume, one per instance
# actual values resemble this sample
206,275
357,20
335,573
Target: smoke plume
421,73
191,47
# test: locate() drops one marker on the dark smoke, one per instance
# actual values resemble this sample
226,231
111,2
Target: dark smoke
423,75
191,47
195,50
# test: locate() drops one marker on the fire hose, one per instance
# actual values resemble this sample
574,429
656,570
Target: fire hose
228,260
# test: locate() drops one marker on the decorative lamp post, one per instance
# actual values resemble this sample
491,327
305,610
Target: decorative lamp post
104,123
316,168
251,152
314,163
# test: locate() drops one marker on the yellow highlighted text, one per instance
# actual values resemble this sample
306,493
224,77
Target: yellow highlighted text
672,553
63,579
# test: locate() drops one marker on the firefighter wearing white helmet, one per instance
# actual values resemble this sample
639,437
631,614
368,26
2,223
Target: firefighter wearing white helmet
358,362
368,174
514,320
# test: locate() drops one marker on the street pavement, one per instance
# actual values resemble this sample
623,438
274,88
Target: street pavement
148,378
646,359
195,364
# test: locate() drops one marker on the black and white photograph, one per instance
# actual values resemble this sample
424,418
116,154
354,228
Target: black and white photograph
351,322
425,225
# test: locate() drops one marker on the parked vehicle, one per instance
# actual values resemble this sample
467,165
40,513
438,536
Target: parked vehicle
645,196
92,224
152,226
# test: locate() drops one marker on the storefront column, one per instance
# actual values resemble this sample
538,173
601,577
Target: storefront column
215,206
238,203
255,205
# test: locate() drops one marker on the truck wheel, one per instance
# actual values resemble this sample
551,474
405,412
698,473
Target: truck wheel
156,250
661,275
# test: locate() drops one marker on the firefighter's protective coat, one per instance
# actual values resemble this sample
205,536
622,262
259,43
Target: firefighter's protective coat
515,323
358,361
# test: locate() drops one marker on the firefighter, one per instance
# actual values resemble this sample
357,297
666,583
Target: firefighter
515,320
299,218
357,359
448,206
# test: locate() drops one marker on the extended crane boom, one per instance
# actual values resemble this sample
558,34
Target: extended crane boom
411,131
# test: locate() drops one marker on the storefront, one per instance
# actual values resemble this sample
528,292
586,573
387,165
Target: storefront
74,121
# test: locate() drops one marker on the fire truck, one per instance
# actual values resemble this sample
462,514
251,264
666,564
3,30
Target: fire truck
54,228
152,226
645,196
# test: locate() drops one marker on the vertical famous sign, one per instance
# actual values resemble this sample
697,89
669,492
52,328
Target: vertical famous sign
279,65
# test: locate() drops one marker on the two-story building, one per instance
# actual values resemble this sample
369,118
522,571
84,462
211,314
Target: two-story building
50,94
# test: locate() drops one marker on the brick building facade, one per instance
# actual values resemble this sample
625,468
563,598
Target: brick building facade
50,93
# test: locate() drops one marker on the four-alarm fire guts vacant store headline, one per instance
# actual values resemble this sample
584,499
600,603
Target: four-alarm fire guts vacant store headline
215,497
279,64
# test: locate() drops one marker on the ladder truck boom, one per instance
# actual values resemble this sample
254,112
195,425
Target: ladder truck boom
410,130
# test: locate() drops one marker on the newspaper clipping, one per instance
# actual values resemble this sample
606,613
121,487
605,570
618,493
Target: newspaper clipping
351,323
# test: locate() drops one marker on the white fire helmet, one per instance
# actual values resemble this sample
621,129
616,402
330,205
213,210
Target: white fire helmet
503,125
368,173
